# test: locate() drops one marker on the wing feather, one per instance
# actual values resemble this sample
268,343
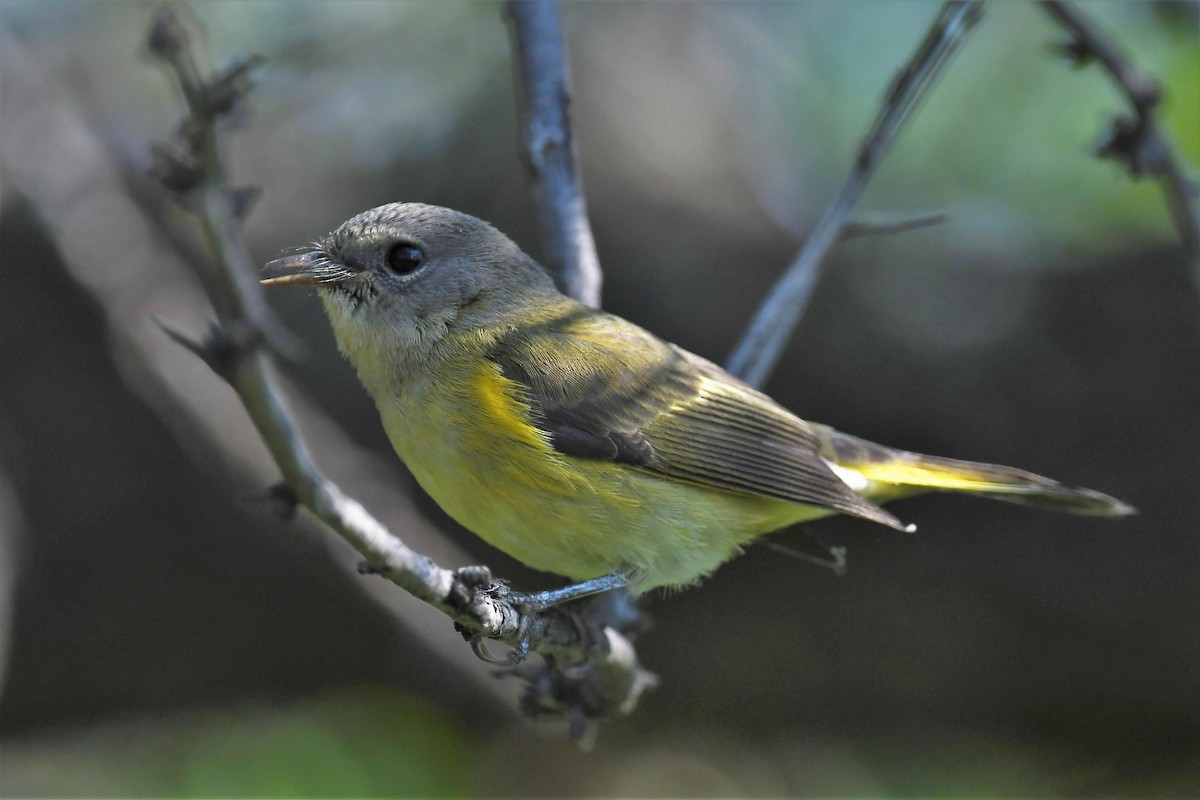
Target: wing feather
603,388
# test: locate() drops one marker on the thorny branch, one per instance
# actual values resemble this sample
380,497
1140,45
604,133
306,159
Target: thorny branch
591,669
769,331
550,152
1136,140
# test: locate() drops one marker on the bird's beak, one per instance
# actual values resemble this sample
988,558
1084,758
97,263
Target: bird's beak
296,270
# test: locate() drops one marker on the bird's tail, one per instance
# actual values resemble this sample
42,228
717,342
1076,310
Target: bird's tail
896,473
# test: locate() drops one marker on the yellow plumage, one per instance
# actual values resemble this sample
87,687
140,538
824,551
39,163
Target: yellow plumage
578,442
486,466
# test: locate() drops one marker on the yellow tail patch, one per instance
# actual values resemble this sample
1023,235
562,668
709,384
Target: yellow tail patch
897,473
909,474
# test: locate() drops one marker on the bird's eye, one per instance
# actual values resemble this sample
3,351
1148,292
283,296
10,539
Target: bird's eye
405,258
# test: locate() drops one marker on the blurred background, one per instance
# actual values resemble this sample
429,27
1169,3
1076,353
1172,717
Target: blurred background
161,633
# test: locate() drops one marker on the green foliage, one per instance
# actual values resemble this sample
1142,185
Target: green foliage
364,742
1005,142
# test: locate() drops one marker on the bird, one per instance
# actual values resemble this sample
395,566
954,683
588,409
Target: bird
578,442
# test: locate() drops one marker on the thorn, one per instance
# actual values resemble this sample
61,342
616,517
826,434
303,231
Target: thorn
1074,49
1120,138
222,348
242,200
183,340
222,95
168,35
283,501
1130,141
280,500
229,344
175,168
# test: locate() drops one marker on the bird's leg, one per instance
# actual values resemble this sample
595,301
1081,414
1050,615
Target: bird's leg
538,601
836,563
469,580
531,604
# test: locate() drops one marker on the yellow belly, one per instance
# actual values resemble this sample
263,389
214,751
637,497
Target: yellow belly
467,441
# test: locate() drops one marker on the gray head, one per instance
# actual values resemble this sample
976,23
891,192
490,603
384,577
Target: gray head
400,277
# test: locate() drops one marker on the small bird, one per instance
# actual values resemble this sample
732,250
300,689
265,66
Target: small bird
576,441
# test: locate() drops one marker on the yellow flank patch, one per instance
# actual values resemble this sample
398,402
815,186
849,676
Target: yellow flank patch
904,474
500,399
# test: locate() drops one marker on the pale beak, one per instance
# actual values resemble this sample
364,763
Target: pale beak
294,270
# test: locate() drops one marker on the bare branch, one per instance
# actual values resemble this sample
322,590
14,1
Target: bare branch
76,179
1138,141
550,153
891,222
479,607
768,332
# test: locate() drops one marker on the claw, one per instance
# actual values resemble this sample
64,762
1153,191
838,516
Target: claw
521,651
479,648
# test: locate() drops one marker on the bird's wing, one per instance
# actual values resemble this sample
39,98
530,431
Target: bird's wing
603,388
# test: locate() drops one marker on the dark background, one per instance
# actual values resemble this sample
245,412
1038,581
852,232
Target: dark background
163,634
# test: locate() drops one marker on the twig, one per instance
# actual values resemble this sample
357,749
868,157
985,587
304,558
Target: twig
550,153
894,222
1137,141
772,326
606,677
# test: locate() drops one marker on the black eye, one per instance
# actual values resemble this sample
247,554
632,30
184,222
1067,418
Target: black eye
405,258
